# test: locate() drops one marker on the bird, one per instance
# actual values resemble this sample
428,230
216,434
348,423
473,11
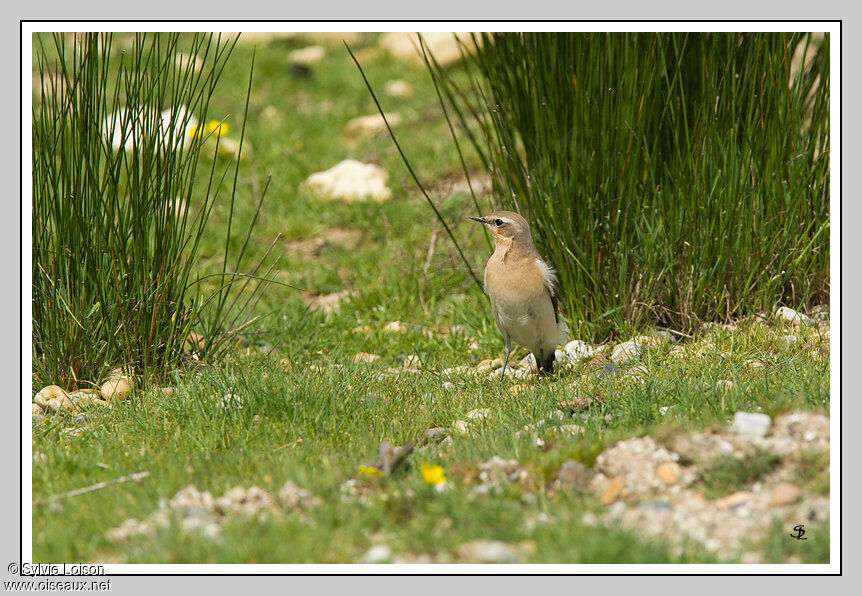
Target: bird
522,290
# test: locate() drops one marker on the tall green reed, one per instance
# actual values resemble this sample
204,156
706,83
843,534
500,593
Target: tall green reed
669,178
120,203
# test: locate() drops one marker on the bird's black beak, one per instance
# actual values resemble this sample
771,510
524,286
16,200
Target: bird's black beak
479,219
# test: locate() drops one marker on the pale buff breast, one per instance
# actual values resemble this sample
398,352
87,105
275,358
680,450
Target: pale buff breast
521,303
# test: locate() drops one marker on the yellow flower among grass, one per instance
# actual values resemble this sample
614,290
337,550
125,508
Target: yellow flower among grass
433,474
370,471
213,127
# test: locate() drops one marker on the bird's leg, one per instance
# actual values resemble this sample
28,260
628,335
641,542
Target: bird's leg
506,361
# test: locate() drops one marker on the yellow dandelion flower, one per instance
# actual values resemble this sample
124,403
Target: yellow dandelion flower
370,471
217,127
433,474
213,127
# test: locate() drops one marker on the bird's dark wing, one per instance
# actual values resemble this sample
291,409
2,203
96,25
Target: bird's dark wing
555,304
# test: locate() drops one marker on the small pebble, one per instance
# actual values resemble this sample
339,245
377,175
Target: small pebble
398,88
578,350
737,499
292,496
788,341
412,361
528,362
306,57
655,506
572,429
573,474
617,510
365,357
485,366
395,327
379,553
609,370
751,424
118,388
369,126
791,316
668,472
723,386
725,447
613,491
52,398
785,494
479,413
630,350
435,435
484,551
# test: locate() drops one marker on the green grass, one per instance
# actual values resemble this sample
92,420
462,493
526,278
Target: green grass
316,427
725,475
316,423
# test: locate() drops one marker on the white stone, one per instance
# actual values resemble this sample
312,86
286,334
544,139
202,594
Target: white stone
630,350
125,126
351,180
442,45
456,371
371,125
461,427
231,400
479,413
509,372
379,553
412,361
725,447
572,429
578,350
791,316
307,56
723,386
398,88
483,551
395,327
292,496
528,362
183,61
561,357
750,424
789,340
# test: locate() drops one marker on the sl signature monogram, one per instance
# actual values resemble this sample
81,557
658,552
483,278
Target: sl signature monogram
798,532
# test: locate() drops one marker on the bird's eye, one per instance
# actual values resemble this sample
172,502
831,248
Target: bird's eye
498,222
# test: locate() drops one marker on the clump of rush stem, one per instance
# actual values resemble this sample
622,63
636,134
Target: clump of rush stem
120,205
670,178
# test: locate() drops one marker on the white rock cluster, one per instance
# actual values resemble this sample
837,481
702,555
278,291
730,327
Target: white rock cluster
350,181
